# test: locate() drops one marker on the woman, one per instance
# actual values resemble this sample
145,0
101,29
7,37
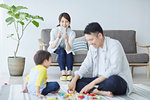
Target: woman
61,40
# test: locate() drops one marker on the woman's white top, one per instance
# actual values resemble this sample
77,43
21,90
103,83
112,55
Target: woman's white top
54,35
107,61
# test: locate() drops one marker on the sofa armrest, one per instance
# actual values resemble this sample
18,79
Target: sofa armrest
144,46
42,45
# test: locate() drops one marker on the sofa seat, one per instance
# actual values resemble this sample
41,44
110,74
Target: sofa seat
132,58
138,58
77,58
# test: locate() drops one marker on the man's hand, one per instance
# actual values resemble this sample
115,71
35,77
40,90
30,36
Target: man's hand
71,87
25,90
87,88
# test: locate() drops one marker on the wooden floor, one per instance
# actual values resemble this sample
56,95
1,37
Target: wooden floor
138,78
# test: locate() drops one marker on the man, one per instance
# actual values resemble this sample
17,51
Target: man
106,58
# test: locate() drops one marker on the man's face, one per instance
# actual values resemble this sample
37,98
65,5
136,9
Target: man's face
94,40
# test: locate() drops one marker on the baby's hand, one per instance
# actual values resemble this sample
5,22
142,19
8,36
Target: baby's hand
40,95
25,90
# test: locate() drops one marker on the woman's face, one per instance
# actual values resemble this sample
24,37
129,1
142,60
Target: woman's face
64,22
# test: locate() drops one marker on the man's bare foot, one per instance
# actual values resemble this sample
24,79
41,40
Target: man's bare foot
104,93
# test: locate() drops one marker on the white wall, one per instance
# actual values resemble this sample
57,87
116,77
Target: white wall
111,14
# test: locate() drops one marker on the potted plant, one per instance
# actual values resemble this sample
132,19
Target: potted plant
20,21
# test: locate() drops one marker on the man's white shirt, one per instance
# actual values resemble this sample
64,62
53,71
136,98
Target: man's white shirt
107,61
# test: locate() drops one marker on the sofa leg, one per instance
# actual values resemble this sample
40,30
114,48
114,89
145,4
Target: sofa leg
147,71
132,70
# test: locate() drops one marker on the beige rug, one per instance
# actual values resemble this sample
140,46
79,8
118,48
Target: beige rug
13,92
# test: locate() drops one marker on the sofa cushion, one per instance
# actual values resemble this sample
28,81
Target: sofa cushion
45,36
79,33
77,58
126,37
138,58
54,57
80,45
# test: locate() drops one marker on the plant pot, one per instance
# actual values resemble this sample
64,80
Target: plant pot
16,66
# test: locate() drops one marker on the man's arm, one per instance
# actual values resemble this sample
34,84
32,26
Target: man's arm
72,84
98,80
93,84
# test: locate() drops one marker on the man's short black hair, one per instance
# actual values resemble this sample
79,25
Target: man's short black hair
40,56
93,27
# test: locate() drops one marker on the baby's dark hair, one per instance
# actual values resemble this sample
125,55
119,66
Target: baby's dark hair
40,56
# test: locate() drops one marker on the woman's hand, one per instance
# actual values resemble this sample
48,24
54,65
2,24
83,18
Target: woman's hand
65,37
87,88
59,35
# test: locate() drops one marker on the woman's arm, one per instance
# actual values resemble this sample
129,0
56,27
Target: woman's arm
53,45
69,41
68,48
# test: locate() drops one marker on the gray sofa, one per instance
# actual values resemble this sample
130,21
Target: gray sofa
126,37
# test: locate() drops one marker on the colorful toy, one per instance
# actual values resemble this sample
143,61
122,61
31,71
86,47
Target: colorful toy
76,96
5,84
54,98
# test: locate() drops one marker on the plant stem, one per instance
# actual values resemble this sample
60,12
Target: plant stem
22,32
27,24
16,28
18,39
17,48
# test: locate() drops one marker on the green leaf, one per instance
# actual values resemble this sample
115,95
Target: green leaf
17,15
38,17
20,7
10,13
29,16
10,22
4,6
10,35
22,16
9,19
35,23
13,8
22,23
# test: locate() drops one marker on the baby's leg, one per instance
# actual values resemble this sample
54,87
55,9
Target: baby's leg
51,88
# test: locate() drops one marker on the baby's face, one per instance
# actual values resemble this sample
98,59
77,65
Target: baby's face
48,62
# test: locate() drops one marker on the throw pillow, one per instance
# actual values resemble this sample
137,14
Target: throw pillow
80,45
